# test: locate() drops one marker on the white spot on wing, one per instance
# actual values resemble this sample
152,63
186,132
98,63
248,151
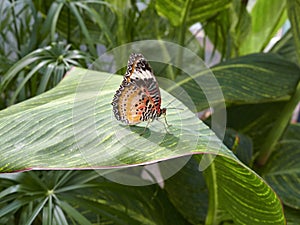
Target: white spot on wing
144,74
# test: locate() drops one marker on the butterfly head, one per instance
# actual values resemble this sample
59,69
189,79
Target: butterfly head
163,111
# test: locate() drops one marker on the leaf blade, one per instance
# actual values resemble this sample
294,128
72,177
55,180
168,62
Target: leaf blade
58,122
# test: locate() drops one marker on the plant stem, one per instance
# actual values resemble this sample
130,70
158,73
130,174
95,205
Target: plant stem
69,25
278,128
16,28
211,182
182,33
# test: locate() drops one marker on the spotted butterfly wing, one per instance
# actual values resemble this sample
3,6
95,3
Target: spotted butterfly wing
138,98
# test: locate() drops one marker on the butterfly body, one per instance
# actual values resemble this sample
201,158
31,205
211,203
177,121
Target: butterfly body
138,99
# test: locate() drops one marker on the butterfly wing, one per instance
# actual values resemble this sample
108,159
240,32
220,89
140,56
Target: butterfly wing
131,105
138,98
140,72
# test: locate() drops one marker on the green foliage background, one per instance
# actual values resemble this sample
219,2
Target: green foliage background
253,180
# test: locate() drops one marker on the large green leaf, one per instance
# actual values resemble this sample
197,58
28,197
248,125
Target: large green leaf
267,17
189,12
255,78
238,194
283,169
74,122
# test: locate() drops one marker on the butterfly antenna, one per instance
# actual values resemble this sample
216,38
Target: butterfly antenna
172,102
176,108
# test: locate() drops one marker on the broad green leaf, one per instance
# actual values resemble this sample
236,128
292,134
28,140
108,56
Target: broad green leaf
239,194
72,126
243,194
283,168
188,12
293,7
255,78
267,17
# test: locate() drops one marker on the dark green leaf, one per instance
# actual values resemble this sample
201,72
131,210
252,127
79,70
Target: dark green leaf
256,78
292,216
194,188
285,47
292,132
238,195
282,171
254,120
240,144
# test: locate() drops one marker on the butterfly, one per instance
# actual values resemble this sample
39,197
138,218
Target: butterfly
138,98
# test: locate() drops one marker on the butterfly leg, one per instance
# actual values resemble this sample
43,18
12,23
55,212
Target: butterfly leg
166,125
149,121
